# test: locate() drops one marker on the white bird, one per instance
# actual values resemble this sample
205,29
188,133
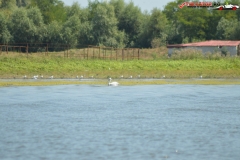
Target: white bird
24,76
51,77
77,77
110,83
163,76
81,76
41,76
130,77
139,76
201,76
121,76
35,77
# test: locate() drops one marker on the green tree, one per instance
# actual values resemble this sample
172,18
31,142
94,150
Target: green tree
25,25
53,33
193,25
22,3
52,10
157,25
104,26
5,35
130,22
228,29
8,4
70,30
154,29
119,6
173,28
74,10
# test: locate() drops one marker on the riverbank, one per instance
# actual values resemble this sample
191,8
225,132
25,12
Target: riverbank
123,82
24,68
17,67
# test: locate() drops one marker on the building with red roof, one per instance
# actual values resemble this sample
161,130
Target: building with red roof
232,47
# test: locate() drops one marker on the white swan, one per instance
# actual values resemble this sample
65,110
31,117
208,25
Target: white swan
35,77
110,83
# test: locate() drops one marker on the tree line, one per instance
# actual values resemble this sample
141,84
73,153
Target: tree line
113,23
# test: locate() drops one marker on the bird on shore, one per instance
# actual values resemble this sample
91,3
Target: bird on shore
24,76
110,83
76,77
51,77
35,77
130,77
163,76
81,77
139,76
41,76
121,76
201,77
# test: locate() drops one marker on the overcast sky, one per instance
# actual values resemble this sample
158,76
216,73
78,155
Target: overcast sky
143,4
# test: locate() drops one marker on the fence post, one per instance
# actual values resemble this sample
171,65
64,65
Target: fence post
67,51
7,48
138,53
99,55
122,54
27,49
111,53
133,54
87,52
47,49
105,54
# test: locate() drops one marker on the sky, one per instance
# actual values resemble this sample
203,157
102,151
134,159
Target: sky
143,4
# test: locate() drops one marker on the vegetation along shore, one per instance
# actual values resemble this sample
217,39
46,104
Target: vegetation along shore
159,71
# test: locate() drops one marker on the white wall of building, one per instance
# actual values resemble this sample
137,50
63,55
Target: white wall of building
230,49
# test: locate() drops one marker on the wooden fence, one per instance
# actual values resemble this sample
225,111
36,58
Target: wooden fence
82,52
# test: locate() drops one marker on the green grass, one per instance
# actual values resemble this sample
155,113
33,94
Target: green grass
16,66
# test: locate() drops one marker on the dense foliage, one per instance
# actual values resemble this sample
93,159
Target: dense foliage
114,23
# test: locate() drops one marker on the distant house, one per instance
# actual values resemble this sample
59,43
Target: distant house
232,47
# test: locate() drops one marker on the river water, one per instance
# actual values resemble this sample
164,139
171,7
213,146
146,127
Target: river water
190,122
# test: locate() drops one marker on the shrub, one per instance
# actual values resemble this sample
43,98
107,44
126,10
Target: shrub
185,54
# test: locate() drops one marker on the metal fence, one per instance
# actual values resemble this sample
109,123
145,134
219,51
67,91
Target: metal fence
81,51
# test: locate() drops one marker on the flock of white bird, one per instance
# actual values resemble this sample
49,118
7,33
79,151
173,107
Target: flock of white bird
110,83
36,77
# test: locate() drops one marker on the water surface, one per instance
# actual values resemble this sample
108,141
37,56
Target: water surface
190,122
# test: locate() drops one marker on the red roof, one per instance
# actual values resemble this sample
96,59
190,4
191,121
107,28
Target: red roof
211,43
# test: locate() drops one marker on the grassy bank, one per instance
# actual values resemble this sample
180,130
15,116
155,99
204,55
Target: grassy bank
20,65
